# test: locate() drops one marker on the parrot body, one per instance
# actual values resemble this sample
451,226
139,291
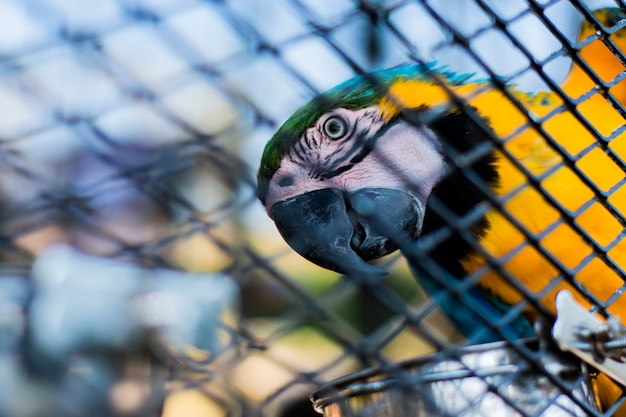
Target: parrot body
370,166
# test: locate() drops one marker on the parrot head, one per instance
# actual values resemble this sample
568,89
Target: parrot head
352,175
348,177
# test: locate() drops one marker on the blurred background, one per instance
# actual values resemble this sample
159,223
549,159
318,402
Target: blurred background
131,131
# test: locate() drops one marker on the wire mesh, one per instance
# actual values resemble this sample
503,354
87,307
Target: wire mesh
132,132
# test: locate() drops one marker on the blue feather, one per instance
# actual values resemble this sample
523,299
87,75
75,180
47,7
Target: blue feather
474,311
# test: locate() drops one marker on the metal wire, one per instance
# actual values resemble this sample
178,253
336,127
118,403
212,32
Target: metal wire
132,131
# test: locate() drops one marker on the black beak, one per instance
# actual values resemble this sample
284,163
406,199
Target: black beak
342,231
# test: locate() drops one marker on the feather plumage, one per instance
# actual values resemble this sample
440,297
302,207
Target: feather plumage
559,180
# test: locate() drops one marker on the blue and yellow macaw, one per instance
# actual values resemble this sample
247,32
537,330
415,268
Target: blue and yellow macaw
382,161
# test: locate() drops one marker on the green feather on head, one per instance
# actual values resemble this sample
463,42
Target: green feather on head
357,93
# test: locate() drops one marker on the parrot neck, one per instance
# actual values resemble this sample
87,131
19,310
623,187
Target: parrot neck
460,195
456,191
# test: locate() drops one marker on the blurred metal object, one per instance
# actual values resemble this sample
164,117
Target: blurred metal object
598,343
483,380
89,336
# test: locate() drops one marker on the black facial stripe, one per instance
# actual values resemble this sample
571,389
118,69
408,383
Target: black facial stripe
369,145
314,138
344,148
304,151
299,151
310,140
364,150
359,140
307,139
354,145
331,172
349,149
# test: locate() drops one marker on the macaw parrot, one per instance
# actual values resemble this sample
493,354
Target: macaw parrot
504,193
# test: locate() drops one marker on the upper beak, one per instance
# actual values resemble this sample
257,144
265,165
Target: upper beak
342,231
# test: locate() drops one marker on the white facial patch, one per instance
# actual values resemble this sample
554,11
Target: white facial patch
369,155
406,158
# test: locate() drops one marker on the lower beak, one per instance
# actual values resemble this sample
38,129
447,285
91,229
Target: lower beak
342,231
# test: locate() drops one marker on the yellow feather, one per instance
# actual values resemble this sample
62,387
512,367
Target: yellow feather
538,217
603,62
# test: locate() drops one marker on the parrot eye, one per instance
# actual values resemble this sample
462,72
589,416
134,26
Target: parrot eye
335,127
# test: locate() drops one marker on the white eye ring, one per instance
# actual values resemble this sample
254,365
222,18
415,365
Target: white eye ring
335,127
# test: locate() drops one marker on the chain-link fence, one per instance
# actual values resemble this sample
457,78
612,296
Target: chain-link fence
132,130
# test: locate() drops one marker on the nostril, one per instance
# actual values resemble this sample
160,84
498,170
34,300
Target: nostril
286,182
